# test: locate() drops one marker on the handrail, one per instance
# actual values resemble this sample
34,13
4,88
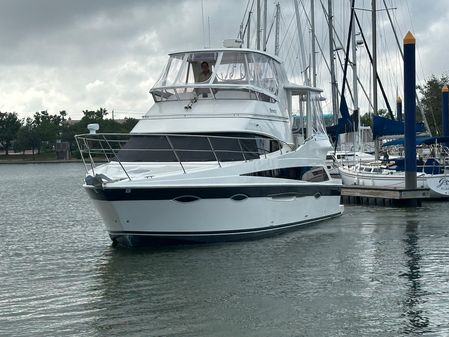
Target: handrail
175,153
84,142
115,156
84,135
90,157
229,86
82,157
241,149
213,151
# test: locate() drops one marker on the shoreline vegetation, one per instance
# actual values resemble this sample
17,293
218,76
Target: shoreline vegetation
30,162
38,139
28,158
47,138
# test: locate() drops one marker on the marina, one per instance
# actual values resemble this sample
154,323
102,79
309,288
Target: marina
233,169
367,273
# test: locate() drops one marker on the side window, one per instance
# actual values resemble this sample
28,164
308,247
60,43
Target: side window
304,173
262,72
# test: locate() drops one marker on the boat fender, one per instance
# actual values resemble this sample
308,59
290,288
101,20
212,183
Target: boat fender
96,181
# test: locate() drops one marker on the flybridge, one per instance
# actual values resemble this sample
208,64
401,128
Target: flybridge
220,74
231,90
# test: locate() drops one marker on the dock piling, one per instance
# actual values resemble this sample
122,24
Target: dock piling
410,111
445,110
399,108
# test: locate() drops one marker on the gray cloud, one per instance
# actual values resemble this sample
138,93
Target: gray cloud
82,54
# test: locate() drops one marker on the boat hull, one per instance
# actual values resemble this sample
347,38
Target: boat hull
396,180
212,214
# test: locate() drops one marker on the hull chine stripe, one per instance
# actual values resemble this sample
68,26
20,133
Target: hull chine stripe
225,232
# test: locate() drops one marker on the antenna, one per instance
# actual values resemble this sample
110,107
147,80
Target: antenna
202,21
208,29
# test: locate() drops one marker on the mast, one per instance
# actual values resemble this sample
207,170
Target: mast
276,35
355,91
301,43
312,24
264,42
418,102
248,35
332,61
374,32
258,26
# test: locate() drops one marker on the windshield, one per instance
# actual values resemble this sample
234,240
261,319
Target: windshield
231,67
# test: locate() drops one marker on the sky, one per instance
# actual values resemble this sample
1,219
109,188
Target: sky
86,54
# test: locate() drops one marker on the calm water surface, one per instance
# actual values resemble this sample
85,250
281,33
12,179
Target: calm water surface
371,272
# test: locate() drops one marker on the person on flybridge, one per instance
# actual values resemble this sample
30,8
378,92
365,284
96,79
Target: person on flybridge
203,77
205,72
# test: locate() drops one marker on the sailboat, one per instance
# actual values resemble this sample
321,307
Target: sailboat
432,171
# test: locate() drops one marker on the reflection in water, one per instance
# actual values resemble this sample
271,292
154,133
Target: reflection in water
416,316
59,275
161,286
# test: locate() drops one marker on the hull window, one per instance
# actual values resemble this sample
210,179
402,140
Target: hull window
303,173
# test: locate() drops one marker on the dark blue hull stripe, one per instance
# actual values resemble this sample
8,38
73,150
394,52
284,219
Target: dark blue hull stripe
212,192
187,235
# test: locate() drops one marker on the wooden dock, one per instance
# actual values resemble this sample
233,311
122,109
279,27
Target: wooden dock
383,196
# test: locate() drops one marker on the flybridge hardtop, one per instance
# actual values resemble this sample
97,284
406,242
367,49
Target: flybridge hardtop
245,50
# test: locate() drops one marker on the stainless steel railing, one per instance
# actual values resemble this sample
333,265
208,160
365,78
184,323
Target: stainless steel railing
110,147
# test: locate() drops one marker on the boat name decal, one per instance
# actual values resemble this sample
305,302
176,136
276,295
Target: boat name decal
443,183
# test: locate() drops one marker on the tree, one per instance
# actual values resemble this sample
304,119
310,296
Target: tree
27,137
106,125
9,126
431,101
128,124
91,116
49,127
367,120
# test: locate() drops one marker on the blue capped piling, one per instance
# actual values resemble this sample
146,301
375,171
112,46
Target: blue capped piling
410,110
399,109
445,110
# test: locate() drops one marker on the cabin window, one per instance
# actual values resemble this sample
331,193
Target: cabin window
262,72
175,66
303,173
155,148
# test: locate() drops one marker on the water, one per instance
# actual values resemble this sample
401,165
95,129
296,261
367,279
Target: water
371,272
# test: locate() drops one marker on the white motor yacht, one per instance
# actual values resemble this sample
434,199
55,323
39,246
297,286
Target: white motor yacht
216,158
